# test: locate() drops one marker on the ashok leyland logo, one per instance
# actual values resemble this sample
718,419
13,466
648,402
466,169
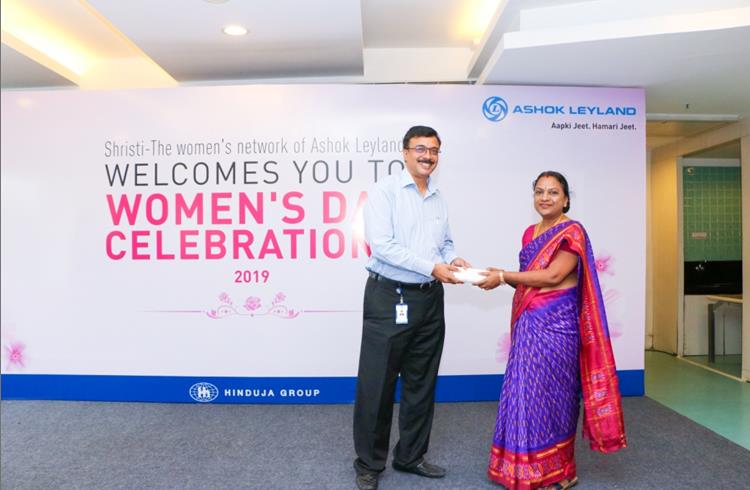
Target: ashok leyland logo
204,392
495,108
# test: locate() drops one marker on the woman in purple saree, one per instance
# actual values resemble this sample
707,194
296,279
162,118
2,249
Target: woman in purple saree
560,351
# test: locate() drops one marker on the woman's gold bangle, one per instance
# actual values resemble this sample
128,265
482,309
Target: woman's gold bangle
502,277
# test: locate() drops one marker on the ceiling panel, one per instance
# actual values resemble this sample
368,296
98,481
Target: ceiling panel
731,150
18,71
286,37
709,70
415,24
680,128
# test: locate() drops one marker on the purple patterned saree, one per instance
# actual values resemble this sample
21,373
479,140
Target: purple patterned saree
560,350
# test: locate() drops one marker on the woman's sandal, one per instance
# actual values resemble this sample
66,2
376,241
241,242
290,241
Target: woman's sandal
561,486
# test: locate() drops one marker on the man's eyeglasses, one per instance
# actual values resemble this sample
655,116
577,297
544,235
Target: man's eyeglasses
421,150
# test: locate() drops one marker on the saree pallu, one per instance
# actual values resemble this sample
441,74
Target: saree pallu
560,348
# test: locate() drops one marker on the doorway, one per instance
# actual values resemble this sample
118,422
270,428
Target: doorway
710,282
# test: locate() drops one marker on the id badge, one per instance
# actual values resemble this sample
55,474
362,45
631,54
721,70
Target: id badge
402,314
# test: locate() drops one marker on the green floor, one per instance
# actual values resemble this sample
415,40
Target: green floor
730,364
710,399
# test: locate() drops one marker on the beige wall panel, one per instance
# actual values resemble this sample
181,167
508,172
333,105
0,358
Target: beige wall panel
663,248
745,158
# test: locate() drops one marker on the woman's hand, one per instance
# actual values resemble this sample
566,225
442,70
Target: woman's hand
494,279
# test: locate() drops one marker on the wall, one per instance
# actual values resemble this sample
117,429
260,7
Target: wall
711,206
745,152
662,240
662,247
649,259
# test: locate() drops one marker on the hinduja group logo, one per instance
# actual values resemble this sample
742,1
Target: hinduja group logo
203,392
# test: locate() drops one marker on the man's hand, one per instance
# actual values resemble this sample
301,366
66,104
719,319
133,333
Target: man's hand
444,273
459,262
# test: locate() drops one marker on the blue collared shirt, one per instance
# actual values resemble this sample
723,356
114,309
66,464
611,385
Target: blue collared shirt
408,233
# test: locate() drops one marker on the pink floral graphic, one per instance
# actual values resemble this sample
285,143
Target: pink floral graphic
615,329
222,311
253,307
14,352
503,348
604,265
252,303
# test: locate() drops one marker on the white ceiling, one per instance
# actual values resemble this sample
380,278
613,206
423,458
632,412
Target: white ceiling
691,61
692,56
20,71
416,23
287,38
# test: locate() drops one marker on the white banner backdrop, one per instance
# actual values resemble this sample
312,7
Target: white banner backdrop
214,233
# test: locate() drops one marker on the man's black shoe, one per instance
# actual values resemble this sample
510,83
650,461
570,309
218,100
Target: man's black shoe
367,481
422,469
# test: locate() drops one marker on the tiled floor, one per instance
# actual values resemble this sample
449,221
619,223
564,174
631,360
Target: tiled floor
710,399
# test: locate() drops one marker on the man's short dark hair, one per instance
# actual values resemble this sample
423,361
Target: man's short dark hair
420,132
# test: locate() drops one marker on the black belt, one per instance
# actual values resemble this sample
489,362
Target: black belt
404,285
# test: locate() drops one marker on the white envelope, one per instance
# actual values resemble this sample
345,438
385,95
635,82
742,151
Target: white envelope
470,275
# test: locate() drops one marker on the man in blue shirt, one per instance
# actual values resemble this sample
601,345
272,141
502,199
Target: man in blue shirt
406,226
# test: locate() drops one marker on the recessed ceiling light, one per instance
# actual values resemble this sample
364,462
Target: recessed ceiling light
234,30
217,1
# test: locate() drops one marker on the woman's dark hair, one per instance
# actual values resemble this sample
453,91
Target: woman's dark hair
563,182
420,132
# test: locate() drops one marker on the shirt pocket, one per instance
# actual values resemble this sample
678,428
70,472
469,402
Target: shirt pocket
435,226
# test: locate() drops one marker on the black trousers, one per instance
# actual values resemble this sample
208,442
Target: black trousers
387,350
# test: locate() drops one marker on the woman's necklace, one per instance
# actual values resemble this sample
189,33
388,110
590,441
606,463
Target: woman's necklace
538,228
